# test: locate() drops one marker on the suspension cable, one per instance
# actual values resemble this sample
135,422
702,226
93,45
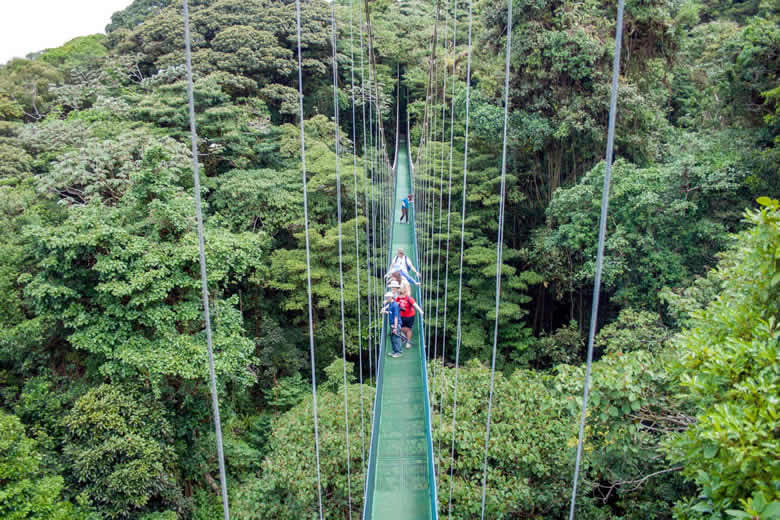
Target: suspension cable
308,260
600,251
432,218
499,249
435,328
357,237
441,202
337,139
375,222
459,336
378,145
369,295
449,210
204,285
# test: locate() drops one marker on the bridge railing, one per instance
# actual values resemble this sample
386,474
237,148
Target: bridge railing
424,365
368,496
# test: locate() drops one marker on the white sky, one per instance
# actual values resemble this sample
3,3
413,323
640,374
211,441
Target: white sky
32,25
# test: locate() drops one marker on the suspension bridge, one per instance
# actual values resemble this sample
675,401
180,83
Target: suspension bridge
400,482
400,469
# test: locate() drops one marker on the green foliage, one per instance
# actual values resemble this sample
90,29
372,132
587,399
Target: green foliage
529,460
753,65
101,170
77,52
286,487
288,392
666,221
119,450
728,369
565,345
41,404
27,492
102,348
135,14
631,406
268,200
633,330
119,273
15,163
25,86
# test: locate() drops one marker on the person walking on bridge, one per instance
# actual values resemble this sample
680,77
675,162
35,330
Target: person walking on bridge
405,203
392,310
402,264
407,306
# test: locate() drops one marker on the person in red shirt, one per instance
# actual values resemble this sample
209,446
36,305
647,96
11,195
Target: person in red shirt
408,306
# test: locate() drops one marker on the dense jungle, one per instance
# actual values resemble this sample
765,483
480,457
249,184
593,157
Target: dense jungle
104,387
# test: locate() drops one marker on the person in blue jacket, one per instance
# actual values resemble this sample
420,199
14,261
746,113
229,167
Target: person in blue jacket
405,207
393,311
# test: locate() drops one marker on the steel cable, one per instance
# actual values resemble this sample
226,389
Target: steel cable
202,258
600,251
460,273
499,251
308,260
357,237
337,143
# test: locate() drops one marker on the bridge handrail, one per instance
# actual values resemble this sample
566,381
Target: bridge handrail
368,498
424,367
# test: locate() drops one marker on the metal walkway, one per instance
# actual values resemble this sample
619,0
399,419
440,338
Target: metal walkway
400,483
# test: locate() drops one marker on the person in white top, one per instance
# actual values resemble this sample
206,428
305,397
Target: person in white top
402,264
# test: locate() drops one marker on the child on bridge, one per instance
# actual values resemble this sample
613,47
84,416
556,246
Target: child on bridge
392,310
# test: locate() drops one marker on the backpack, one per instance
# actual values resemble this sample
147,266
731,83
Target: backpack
401,265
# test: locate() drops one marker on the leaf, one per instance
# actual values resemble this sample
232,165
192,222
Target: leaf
772,511
710,451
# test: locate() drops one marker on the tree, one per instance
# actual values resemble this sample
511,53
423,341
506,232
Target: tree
28,493
633,330
136,13
286,488
665,225
632,407
119,450
728,369
26,83
78,52
121,278
529,459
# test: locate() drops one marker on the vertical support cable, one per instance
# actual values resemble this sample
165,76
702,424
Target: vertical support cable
308,260
435,326
204,285
357,238
459,336
337,139
449,213
600,253
499,250
375,139
369,295
375,224
432,218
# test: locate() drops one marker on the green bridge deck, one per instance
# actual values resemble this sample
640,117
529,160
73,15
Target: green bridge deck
400,482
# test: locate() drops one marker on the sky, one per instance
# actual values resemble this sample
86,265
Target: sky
32,25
